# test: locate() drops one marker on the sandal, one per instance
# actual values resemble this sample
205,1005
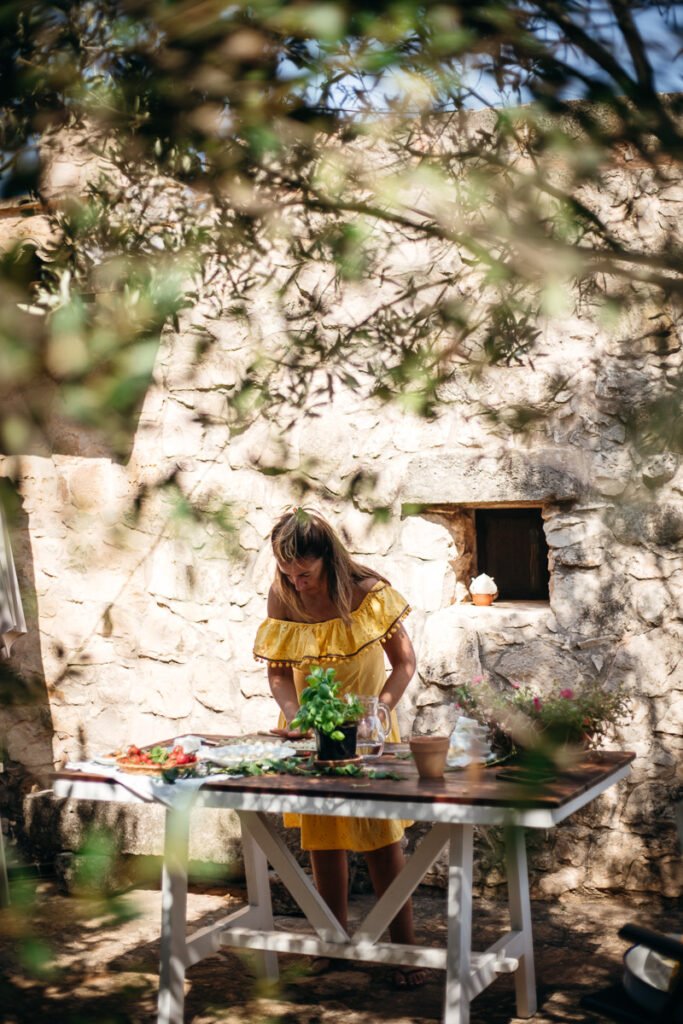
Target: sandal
409,977
324,965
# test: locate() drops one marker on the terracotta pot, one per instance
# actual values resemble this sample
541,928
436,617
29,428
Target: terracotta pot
483,599
429,754
337,750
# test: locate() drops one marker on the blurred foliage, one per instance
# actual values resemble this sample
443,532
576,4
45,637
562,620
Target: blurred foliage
322,162
45,940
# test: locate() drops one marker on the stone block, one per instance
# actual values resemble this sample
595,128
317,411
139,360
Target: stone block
163,637
621,389
611,472
662,876
255,683
449,650
648,805
611,857
165,689
134,829
669,713
430,696
580,556
90,485
168,571
647,523
257,714
586,604
659,469
104,729
563,531
650,664
260,521
565,880
541,665
216,723
451,478
426,541
421,583
362,534
652,600
435,720
647,565
210,679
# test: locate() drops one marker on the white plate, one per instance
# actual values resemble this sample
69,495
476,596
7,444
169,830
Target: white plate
237,753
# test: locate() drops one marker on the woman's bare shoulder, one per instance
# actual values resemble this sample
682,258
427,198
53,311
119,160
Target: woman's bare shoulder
367,583
277,609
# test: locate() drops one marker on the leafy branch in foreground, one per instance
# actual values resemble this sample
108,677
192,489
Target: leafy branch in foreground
407,194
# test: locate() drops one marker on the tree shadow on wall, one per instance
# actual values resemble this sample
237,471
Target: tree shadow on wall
26,726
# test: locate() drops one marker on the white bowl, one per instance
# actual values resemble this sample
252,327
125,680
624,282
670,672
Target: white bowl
647,976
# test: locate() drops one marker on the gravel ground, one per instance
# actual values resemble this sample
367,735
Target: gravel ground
80,960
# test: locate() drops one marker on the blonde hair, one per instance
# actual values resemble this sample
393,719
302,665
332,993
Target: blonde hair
304,533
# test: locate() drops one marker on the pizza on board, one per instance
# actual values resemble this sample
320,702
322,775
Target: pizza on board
155,761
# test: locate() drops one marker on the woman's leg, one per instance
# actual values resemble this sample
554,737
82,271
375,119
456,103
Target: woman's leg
331,876
383,867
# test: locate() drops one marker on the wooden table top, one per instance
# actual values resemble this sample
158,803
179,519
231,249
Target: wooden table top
476,785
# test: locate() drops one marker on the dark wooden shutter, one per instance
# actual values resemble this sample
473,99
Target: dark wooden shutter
511,547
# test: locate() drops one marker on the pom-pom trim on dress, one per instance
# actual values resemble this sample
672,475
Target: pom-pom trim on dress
286,644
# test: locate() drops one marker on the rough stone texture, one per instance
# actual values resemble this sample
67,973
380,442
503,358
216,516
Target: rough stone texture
452,478
141,626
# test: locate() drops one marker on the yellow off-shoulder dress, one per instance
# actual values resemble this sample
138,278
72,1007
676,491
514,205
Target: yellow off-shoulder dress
355,651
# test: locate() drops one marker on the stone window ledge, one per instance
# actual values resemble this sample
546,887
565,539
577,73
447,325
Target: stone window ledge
504,613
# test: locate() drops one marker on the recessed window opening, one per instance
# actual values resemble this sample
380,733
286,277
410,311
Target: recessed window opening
511,547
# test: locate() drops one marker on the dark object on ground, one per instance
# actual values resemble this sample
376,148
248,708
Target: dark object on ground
616,1004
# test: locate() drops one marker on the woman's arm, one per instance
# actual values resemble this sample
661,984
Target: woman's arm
281,682
399,651
280,677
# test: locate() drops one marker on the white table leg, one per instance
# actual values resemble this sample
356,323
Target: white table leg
520,919
258,891
458,960
174,918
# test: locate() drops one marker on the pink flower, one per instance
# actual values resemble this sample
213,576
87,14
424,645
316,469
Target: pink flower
537,704
515,686
477,679
567,694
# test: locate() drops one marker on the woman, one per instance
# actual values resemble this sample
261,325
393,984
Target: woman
325,608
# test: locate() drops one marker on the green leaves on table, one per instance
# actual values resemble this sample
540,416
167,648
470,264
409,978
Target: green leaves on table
279,766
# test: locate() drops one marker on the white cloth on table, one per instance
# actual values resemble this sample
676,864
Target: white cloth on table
148,787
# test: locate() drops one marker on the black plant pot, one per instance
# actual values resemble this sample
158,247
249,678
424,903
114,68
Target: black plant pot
336,750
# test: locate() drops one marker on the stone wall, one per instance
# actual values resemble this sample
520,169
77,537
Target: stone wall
141,622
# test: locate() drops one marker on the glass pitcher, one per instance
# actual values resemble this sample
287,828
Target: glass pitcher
373,727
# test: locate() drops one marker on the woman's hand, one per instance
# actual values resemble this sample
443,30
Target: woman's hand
290,734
